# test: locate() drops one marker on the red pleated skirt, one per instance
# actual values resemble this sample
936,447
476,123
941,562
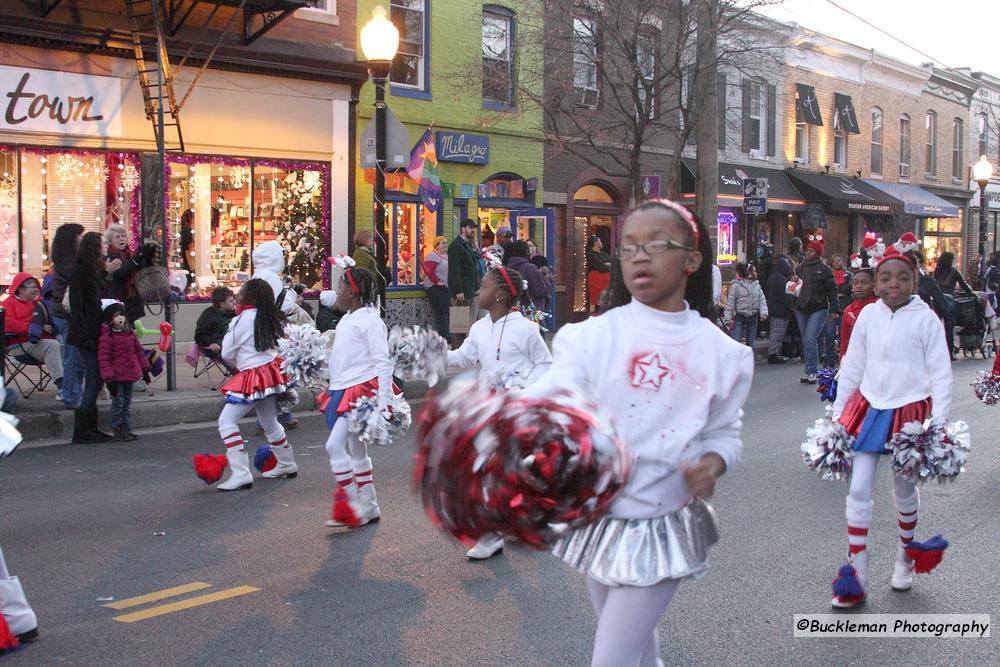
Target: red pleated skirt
857,408
254,384
351,394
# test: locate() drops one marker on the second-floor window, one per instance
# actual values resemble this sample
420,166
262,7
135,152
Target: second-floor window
984,141
645,62
904,146
930,152
498,56
956,148
802,142
876,161
408,67
585,62
757,110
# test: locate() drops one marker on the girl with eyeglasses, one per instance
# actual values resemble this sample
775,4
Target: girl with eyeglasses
674,384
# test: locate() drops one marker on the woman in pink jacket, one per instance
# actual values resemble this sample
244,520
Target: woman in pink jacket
123,361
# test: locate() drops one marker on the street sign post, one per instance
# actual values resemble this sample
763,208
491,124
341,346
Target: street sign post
754,203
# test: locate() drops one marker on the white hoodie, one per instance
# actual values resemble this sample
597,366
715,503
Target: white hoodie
238,347
897,358
268,265
512,343
673,383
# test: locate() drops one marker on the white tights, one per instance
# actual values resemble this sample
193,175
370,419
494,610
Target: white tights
859,499
627,617
347,452
267,413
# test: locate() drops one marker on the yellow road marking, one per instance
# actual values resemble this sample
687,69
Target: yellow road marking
185,604
158,595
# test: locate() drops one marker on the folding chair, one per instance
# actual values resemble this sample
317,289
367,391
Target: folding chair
205,364
17,364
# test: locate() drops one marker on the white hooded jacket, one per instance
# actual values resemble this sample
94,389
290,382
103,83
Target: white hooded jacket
269,264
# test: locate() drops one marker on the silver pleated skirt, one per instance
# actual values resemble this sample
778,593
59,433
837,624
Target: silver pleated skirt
641,552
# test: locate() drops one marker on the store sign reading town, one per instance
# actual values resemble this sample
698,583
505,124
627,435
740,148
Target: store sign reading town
36,100
462,147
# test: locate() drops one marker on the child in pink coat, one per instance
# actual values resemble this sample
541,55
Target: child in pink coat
123,361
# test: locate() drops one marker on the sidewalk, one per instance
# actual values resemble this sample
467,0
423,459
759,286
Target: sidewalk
43,418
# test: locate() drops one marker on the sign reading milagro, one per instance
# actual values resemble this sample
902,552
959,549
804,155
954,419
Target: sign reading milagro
37,100
462,147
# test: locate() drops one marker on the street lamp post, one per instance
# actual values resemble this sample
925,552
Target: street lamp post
981,173
379,42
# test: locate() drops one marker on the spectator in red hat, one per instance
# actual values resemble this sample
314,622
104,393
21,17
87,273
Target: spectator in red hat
816,303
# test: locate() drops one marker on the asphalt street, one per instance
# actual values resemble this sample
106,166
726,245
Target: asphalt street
89,526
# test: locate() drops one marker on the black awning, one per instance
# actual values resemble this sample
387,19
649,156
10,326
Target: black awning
781,193
806,105
840,194
845,118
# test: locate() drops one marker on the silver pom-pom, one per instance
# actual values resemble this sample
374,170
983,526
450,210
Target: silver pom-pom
288,400
513,379
418,354
922,452
987,387
304,351
829,448
378,427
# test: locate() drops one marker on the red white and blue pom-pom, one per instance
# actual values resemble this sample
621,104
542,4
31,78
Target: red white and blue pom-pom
209,467
847,587
341,510
287,401
264,459
922,452
987,387
378,427
827,384
304,352
528,469
418,354
927,555
829,448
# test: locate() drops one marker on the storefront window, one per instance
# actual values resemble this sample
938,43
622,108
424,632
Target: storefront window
9,246
413,232
942,235
59,186
726,249
288,206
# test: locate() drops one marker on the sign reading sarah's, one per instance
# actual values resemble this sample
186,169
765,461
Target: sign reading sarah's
36,100
462,147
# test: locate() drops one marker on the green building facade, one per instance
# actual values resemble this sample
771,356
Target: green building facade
490,151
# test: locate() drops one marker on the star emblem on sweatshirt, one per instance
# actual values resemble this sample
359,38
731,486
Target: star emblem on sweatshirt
649,370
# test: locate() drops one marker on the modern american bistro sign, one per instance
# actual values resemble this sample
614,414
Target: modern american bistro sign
37,100
462,147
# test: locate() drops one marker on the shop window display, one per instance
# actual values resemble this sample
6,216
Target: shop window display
60,186
413,230
9,246
942,235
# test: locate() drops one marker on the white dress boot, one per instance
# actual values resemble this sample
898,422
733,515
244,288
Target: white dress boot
14,606
488,546
902,574
286,464
239,471
368,504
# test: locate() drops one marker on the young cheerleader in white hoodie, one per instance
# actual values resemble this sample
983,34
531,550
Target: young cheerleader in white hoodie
360,366
503,342
897,370
251,345
674,385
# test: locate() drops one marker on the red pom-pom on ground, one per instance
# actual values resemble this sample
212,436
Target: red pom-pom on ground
342,512
7,639
209,467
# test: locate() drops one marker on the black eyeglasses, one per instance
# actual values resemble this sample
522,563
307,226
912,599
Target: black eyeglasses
657,247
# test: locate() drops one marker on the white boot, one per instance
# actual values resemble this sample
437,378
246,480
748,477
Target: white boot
488,545
286,464
902,574
239,471
860,563
15,609
351,513
368,504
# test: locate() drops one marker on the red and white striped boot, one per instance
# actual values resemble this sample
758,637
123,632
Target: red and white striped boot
18,622
907,507
286,466
239,465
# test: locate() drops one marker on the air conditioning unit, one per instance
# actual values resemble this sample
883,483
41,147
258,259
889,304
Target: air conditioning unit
904,171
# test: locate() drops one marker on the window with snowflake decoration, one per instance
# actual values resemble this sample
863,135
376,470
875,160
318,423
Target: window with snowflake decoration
413,229
60,186
8,214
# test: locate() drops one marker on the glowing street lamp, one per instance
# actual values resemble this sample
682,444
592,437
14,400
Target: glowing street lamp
982,171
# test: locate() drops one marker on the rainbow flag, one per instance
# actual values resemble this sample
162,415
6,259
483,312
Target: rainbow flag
423,170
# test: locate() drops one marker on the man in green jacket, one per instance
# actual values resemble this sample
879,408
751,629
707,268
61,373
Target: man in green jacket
463,268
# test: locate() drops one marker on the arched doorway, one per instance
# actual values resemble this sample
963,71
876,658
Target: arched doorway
595,213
